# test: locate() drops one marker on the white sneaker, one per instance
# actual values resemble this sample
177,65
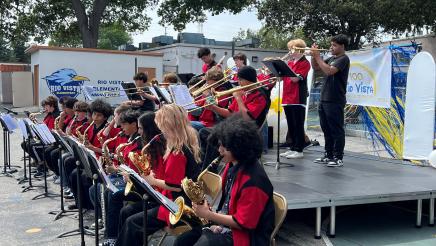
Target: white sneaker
289,152
295,155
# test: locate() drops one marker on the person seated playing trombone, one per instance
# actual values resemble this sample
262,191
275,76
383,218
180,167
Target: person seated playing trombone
203,117
245,214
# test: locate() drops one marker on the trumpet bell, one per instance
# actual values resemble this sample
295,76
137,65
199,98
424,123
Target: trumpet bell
175,218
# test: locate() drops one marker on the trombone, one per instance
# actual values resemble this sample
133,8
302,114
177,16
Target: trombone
200,91
219,94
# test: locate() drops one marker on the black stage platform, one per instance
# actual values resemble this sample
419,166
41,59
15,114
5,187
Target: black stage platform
363,179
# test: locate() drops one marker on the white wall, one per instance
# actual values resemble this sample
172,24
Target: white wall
22,90
104,70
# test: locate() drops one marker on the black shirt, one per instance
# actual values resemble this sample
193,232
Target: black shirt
335,86
148,104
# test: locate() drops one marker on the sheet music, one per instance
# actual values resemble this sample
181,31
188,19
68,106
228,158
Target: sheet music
65,144
153,91
30,123
170,205
49,136
182,97
103,174
10,122
165,94
39,134
23,129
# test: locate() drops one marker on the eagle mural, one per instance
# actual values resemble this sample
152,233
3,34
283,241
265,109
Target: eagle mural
65,82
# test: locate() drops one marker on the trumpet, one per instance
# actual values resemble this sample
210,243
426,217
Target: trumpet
303,50
32,116
207,87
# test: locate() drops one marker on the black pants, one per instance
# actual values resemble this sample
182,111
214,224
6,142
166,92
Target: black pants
295,116
51,156
131,233
209,149
86,183
199,237
331,117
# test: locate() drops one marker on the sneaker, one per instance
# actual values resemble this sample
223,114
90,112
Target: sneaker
336,162
69,196
289,152
295,155
323,160
66,190
72,207
57,181
109,242
39,174
100,225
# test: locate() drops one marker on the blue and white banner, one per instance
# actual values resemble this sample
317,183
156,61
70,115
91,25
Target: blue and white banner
369,78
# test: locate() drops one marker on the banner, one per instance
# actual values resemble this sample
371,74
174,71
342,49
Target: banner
369,78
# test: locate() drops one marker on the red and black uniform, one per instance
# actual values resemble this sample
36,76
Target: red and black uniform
136,147
250,203
257,104
49,119
91,136
294,102
67,121
206,67
75,124
177,166
268,85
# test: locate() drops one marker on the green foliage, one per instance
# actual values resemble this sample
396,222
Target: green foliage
356,18
112,36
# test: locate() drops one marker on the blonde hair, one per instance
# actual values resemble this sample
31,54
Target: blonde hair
214,74
173,121
299,43
170,78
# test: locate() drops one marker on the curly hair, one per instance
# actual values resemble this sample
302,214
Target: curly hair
239,136
150,130
129,116
100,106
51,101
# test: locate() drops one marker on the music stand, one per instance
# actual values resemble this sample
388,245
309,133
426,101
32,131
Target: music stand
81,158
131,91
185,77
63,146
163,94
25,136
47,138
280,69
8,124
31,135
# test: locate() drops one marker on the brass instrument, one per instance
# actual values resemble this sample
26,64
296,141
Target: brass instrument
304,50
141,162
196,190
121,160
56,123
84,137
68,129
196,193
207,87
78,133
32,116
100,138
106,159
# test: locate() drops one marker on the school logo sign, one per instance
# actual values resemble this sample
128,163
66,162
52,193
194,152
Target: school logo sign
65,82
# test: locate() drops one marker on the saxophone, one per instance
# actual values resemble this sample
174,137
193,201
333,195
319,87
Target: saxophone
121,161
106,159
84,137
56,123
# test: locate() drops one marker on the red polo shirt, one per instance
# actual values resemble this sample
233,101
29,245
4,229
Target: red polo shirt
254,101
291,90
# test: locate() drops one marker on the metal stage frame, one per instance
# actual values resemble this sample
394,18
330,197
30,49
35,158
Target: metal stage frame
363,179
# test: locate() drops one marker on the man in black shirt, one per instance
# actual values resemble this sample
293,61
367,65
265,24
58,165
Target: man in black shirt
331,107
148,99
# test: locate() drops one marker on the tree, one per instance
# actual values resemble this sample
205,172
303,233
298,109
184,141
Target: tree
356,18
112,36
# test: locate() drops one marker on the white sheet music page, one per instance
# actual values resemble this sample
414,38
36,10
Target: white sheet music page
182,97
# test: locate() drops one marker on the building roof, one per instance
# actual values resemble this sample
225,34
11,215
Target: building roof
34,48
213,47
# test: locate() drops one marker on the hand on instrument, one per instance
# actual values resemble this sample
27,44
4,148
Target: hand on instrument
238,94
314,53
216,229
150,178
201,210
110,169
126,177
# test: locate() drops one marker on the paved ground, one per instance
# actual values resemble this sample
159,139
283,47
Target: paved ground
27,222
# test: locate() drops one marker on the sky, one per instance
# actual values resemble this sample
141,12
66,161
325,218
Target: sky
221,27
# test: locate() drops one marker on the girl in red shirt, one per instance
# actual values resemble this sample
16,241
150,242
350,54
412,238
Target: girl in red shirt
181,156
294,99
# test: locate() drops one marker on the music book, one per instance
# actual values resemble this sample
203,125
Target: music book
138,180
48,135
131,91
23,129
8,122
163,93
43,133
279,68
182,97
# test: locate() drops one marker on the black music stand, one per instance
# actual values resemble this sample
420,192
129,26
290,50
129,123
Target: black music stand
81,158
47,138
25,135
164,95
131,91
280,69
9,125
185,77
63,145
30,135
